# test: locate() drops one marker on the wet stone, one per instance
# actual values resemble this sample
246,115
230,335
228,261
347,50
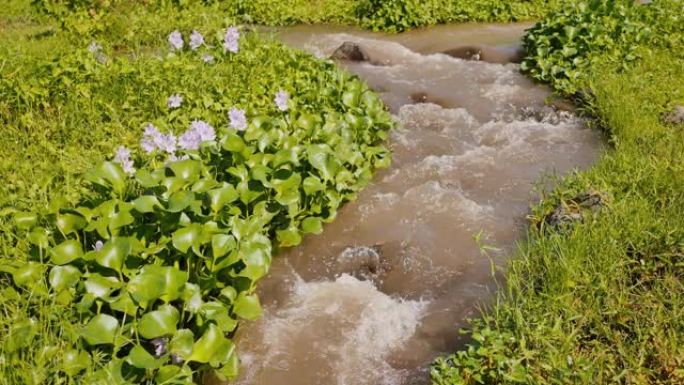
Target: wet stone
486,54
362,262
349,51
465,53
676,116
577,208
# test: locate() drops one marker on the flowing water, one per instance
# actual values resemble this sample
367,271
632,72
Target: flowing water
385,288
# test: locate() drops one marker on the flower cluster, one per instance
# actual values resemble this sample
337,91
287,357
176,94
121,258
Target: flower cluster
176,40
196,40
174,101
237,118
231,42
199,131
154,140
123,157
281,100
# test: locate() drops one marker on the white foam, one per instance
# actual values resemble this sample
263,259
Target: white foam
368,324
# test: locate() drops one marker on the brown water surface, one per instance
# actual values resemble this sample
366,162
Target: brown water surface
385,288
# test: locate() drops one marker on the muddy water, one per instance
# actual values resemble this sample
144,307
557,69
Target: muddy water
385,288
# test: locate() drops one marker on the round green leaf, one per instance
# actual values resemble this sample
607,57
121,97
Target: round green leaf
70,223
247,306
180,200
212,347
186,237
24,220
29,274
113,254
181,343
289,237
158,323
222,196
75,361
146,204
141,358
62,277
66,252
187,170
100,330
312,225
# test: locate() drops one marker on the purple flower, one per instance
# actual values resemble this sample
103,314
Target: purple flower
174,101
207,58
151,137
154,140
190,140
176,40
204,130
196,40
237,118
160,346
230,41
94,47
167,143
98,246
123,157
198,133
281,100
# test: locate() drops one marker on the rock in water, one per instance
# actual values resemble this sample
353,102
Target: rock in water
487,54
465,53
676,116
349,51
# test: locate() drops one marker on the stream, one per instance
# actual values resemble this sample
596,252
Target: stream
386,287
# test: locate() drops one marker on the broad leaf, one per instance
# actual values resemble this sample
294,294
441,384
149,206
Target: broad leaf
63,277
66,252
100,330
159,323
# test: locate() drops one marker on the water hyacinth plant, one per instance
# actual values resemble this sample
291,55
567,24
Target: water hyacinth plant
174,101
281,99
158,261
231,40
196,40
237,118
176,40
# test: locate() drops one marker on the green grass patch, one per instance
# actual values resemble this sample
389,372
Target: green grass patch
378,15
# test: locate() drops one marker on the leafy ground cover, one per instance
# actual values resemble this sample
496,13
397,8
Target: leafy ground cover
599,301
223,147
378,15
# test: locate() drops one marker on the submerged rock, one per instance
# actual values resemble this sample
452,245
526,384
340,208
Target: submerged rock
350,51
676,116
577,208
465,53
362,262
486,54
424,97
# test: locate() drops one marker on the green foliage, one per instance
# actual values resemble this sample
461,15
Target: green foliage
562,47
183,243
379,15
402,15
